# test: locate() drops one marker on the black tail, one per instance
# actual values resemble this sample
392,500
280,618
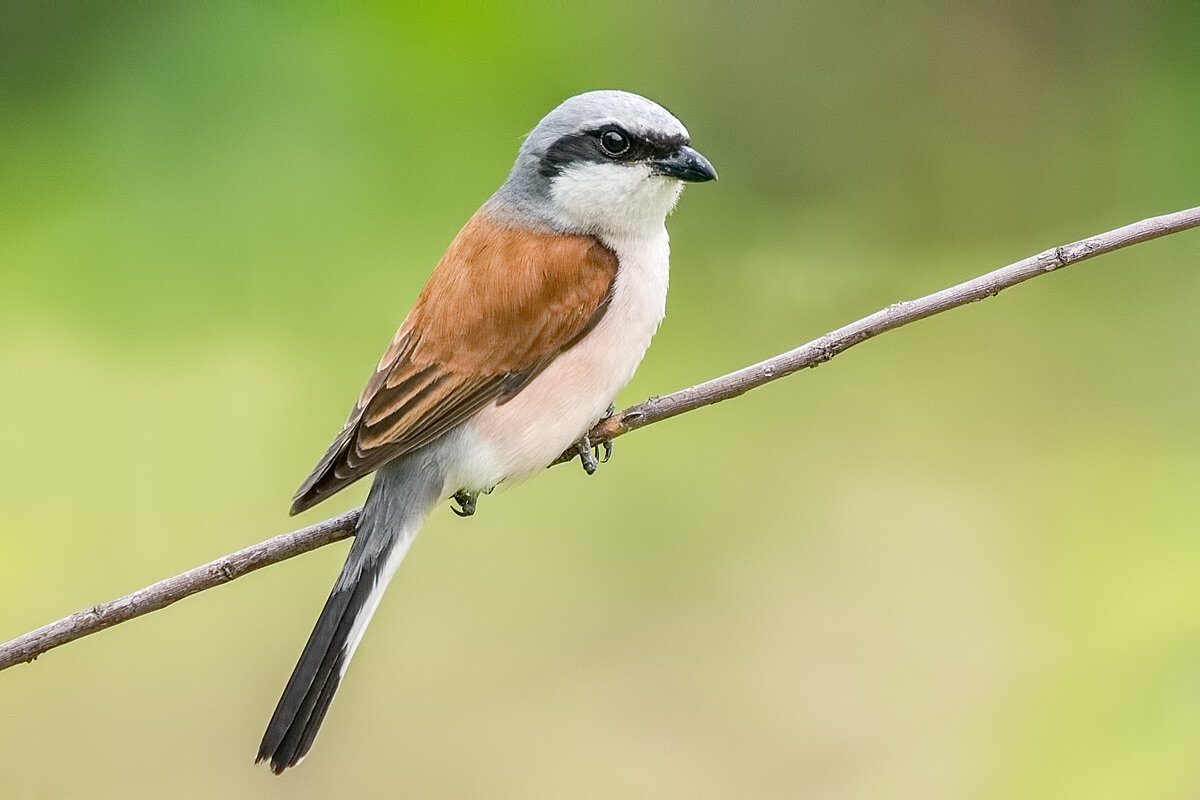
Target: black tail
319,671
400,498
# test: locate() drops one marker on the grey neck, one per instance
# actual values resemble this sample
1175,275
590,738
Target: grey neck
524,198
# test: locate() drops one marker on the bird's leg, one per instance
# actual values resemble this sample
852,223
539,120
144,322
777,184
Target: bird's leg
466,502
589,453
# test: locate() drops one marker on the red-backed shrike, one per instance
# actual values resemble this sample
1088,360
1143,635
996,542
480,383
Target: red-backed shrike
534,319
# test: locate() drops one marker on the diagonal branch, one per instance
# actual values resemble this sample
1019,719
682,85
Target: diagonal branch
164,593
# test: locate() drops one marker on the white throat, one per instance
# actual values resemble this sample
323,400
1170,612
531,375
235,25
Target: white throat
614,199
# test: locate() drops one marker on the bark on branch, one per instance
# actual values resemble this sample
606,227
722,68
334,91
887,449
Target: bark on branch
818,351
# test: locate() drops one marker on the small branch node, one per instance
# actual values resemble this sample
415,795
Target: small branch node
1061,258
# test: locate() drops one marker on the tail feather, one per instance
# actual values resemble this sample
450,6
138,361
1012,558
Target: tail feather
400,498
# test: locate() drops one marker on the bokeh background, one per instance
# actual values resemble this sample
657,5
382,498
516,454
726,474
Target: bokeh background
961,561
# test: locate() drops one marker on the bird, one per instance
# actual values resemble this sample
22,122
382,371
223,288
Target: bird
538,314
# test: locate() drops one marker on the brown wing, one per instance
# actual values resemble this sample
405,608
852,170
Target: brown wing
500,306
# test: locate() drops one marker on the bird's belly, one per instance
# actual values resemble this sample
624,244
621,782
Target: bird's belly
512,440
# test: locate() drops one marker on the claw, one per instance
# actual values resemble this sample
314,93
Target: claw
607,445
466,502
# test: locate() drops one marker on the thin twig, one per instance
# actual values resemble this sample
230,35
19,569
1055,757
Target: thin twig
164,593
171,590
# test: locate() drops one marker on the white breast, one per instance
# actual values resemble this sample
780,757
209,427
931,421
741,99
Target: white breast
514,440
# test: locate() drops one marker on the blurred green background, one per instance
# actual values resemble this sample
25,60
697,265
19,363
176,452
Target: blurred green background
962,561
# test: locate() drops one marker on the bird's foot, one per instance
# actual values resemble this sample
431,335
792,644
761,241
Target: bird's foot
589,454
466,502
589,451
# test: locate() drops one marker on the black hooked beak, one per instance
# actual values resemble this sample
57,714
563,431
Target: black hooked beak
686,164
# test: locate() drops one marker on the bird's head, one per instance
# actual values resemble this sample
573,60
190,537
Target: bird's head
604,162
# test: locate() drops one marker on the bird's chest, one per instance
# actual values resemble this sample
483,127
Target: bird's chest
637,308
526,433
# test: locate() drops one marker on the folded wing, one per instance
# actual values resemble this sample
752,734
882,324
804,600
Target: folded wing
500,306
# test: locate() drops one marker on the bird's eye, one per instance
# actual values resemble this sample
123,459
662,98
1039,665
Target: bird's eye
614,142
